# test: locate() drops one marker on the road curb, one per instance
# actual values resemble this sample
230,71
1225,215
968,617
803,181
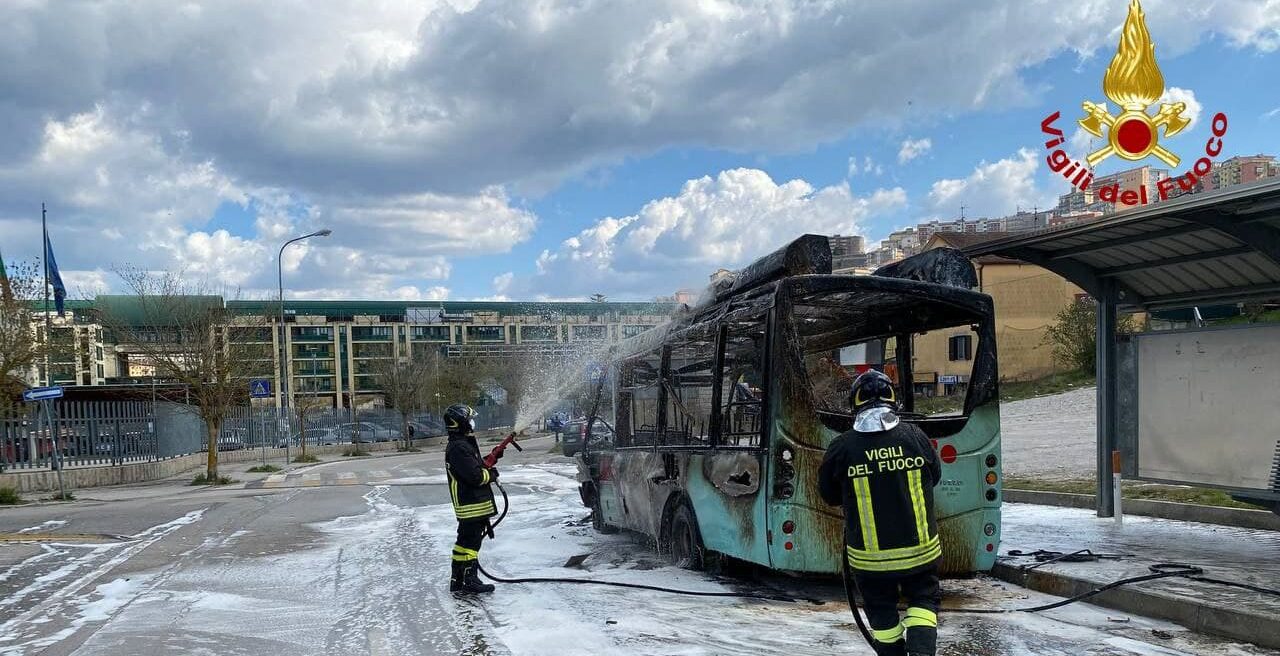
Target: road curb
1260,630
1186,512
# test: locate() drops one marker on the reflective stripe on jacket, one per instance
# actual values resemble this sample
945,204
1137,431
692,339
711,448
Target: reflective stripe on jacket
885,482
468,479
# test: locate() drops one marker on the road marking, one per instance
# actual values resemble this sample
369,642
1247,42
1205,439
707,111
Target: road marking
311,480
379,473
59,537
347,478
413,473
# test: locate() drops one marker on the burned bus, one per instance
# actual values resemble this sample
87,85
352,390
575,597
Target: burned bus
710,429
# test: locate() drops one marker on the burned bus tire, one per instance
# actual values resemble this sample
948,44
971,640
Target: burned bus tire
686,541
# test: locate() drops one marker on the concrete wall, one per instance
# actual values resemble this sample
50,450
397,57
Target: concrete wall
84,477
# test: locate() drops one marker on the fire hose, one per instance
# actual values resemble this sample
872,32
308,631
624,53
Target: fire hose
1158,571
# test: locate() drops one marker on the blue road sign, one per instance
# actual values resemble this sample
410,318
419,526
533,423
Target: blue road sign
42,394
259,388
595,371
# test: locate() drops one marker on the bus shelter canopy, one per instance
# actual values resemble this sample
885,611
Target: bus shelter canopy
1200,249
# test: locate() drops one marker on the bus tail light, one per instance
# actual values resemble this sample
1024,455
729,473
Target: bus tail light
989,529
785,491
991,460
788,527
991,478
786,472
788,546
991,495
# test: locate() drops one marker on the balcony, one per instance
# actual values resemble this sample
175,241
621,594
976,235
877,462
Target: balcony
313,368
486,334
372,350
305,385
594,333
312,351
371,333
429,333
539,333
367,384
312,333
255,335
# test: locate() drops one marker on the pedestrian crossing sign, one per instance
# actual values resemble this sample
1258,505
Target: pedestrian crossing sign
259,388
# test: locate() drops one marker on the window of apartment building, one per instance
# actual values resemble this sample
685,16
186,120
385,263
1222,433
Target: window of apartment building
485,334
370,332
632,331
960,347
596,332
538,333
430,333
312,333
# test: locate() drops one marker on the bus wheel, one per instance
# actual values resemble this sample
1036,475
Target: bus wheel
686,543
597,520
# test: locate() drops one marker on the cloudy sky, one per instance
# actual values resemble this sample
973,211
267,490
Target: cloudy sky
524,149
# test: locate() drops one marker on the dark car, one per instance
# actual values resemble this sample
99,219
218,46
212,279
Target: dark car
575,432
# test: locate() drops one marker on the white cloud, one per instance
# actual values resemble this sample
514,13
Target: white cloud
992,190
502,282
1272,114
869,166
673,242
1187,96
913,148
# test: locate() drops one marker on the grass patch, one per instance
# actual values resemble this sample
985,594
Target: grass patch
1134,490
9,496
65,496
354,452
263,469
307,459
1012,391
409,449
205,480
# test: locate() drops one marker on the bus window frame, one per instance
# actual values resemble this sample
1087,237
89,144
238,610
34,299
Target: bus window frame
766,319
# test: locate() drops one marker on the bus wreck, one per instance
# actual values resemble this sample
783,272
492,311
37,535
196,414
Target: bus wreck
708,431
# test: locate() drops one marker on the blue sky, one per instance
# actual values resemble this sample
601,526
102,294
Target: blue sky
495,149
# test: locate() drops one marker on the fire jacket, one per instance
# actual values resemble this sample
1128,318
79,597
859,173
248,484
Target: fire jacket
469,479
885,482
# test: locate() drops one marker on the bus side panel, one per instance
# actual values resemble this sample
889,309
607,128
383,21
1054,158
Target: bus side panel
641,491
725,490
960,499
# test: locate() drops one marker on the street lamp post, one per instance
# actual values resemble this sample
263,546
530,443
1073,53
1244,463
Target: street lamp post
284,349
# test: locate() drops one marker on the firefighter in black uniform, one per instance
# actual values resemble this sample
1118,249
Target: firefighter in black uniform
473,505
883,473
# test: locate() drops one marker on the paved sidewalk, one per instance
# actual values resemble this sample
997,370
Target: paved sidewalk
1235,554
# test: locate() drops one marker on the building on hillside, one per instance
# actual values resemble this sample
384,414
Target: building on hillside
848,251
1090,200
1024,221
1057,220
1240,170
1027,300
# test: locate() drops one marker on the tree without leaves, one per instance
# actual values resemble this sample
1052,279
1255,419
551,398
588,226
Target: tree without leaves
179,328
1074,334
20,348
405,385
305,407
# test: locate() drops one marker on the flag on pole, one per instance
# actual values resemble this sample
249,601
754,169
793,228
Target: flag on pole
6,292
55,278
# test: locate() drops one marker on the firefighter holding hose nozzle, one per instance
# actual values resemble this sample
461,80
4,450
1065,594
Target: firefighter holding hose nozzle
469,481
883,472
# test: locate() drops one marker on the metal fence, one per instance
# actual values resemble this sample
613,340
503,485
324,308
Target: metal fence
83,433
117,432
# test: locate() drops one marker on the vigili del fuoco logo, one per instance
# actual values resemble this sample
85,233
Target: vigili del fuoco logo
1133,82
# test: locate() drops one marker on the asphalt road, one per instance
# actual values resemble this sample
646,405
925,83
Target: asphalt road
350,557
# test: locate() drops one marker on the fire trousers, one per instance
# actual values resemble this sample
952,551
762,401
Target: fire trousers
470,534
919,629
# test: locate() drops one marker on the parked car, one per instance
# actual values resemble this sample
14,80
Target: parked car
365,431
575,434
232,439
315,437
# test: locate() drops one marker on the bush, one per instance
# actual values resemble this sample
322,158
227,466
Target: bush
354,452
65,496
9,496
204,480
306,459
1074,334
263,469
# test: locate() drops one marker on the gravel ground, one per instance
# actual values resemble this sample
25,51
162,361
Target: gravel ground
1050,437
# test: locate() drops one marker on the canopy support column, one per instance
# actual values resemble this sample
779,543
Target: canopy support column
1107,374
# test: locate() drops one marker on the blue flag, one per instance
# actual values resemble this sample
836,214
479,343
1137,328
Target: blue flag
55,278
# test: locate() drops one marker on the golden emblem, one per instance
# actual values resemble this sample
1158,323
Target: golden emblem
1134,82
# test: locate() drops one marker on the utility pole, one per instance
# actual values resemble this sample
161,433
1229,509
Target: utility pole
48,319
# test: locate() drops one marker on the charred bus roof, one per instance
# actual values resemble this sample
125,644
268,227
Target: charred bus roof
942,278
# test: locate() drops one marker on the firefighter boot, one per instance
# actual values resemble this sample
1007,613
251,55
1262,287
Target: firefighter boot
456,579
471,583
898,648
